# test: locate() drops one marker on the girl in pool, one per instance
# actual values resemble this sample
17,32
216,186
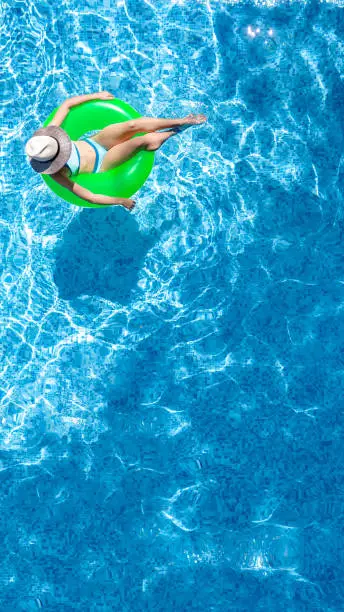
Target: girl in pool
51,151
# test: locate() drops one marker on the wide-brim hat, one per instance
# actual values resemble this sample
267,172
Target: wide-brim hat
64,150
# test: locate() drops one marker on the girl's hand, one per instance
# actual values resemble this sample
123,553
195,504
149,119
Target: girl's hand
128,203
104,95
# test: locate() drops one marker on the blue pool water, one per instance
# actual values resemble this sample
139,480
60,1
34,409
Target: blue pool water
172,380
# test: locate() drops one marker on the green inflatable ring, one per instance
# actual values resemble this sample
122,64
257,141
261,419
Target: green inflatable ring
123,181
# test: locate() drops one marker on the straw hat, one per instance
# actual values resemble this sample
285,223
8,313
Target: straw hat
48,149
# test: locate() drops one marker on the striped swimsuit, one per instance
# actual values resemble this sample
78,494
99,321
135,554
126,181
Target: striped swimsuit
73,162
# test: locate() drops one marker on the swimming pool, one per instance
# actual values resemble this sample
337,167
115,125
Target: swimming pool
172,380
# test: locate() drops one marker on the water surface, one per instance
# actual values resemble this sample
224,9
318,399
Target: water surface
172,380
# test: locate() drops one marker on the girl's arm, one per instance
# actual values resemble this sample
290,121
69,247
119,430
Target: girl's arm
70,102
60,115
75,100
85,194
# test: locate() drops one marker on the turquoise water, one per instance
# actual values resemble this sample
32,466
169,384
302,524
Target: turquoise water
171,380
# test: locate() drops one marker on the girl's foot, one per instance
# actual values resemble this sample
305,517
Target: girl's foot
189,121
193,120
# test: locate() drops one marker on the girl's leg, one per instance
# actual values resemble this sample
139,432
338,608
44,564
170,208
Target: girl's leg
117,133
122,152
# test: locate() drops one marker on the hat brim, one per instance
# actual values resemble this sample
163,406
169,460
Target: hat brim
65,148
